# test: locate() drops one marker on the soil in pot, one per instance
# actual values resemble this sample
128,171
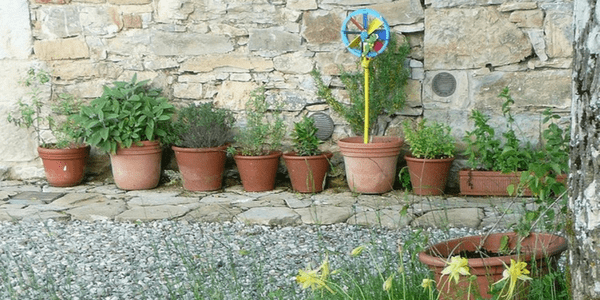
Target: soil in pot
64,167
370,168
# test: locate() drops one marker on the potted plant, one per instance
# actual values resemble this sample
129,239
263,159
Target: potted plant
496,165
128,121
307,165
431,155
258,143
371,166
202,134
65,158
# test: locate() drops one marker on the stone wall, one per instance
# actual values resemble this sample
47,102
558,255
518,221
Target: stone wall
207,50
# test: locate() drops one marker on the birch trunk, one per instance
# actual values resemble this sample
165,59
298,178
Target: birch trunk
584,198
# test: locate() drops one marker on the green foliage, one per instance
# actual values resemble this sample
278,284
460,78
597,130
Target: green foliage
388,78
32,115
486,151
262,133
304,137
126,113
202,126
429,140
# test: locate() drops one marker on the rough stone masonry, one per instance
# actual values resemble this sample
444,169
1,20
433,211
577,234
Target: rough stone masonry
206,50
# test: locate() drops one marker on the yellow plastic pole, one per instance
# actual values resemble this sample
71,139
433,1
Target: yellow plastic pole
365,65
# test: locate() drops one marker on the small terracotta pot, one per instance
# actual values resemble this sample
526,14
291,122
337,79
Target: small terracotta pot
201,168
370,168
544,249
64,167
137,167
428,176
307,173
258,172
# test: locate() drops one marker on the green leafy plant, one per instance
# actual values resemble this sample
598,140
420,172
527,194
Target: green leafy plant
32,114
388,78
306,143
429,141
202,126
126,113
264,131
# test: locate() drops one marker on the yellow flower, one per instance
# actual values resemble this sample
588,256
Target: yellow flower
456,267
311,278
387,285
357,251
427,283
516,271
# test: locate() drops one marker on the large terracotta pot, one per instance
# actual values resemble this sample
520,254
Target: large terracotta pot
307,173
544,249
201,168
64,167
258,172
370,168
137,167
428,176
492,183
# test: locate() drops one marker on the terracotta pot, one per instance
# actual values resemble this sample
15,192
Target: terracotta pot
137,167
370,168
544,249
307,173
492,183
258,172
428,176
64,167
201,168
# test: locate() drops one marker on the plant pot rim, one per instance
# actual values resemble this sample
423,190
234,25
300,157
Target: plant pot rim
204,149
557,245
358,141
410,157
270,154
293,155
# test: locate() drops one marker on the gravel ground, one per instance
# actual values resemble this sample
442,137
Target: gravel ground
175,260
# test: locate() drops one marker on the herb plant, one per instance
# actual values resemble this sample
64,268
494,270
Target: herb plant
126,113
386,87
202,126
263,132
429,141
306,143
34,115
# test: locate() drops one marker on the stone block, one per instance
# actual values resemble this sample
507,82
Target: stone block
412,12
527,18
100,21
168,11
512,6
187,90
329,63
52,1
60,22
459,99
471,38
272,42
536,36
207,63
321,27
275,216
294,63
15,31
129,42
70,70
129,2
354,2
234,94
302,4
173,44
71,48
558,32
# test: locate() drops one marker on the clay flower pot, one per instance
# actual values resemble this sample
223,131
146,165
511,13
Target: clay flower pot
307,173
137,167
492,183
64,167
258,172
544,249
428,176
370,168
201,168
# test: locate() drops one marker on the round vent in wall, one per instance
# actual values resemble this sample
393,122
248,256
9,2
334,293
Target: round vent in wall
444,84
324,125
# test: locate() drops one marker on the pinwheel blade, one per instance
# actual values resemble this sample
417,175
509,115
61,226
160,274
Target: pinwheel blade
376,23
355,42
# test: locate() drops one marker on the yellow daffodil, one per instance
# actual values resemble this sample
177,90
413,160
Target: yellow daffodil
387,284
516,271
427,283
311,278
357,251
456,267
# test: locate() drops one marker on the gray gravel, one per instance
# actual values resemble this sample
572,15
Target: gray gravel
175,260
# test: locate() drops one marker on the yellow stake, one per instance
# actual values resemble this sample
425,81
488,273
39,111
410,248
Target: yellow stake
365,65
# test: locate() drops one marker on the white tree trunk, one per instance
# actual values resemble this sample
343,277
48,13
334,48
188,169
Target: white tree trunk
584,200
